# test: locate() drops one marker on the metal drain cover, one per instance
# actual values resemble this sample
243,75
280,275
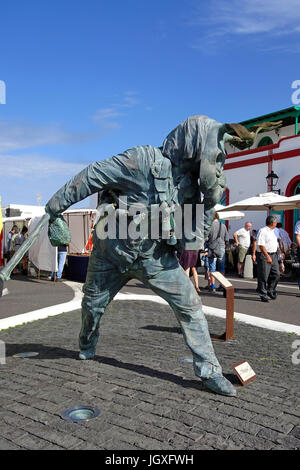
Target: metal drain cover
78,414
26,354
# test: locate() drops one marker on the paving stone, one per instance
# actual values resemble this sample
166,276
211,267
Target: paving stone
277,425
29,412
11,432
147,398
9,445
270,434
34,443
217,442
289,442
90,446
120,445
253,442
296,431
200,446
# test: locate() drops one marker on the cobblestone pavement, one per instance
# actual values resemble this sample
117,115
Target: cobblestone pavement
148,397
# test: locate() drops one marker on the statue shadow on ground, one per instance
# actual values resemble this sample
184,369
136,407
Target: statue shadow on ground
167,329
47,352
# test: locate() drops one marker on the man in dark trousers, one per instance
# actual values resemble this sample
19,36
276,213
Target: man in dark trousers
216,243
268,273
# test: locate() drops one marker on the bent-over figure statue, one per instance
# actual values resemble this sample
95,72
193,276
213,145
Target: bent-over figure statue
189,163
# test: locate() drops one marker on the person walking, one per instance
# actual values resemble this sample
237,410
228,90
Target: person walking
242,240
188,260
16,243
267,260
9,237
61,259
285,238
216,243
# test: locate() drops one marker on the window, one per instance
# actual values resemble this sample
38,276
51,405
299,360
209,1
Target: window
265,141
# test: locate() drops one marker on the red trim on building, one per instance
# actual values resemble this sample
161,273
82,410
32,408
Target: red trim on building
264,159
254,161
259,149
289,215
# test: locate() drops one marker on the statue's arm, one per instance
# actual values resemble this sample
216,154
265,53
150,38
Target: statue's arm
112,173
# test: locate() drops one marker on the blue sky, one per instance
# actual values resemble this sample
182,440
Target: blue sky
88,79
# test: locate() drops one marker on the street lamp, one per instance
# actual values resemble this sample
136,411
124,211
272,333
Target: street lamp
272,180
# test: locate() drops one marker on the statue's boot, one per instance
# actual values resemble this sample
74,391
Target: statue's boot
87,354
218,384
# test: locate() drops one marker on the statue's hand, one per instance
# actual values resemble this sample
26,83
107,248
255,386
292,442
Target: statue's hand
52,215
58,232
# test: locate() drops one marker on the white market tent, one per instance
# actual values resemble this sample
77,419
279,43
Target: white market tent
292,202
80,222
228,215
42,254
261,202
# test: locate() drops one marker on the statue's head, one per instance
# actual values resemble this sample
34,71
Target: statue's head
200,142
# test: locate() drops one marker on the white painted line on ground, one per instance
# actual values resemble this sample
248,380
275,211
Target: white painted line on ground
75,304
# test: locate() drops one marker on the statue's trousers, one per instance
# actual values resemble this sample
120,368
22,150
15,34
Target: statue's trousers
167,279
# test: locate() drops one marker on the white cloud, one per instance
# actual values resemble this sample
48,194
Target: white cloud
33,166
267,19
19,135
107,115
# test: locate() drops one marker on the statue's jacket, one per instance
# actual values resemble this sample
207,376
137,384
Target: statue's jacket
146,177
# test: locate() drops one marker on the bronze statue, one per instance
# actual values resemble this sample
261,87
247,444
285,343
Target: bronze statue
189,164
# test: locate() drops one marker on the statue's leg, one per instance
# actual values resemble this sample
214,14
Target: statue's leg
103,282
174,286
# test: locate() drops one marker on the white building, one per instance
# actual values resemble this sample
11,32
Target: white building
277,151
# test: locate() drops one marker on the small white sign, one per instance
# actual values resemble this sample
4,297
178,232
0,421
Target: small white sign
244,372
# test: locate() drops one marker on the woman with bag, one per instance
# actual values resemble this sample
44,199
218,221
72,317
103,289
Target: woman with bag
217,239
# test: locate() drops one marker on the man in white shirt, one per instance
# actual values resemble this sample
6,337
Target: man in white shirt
242,242
268,273
297,233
